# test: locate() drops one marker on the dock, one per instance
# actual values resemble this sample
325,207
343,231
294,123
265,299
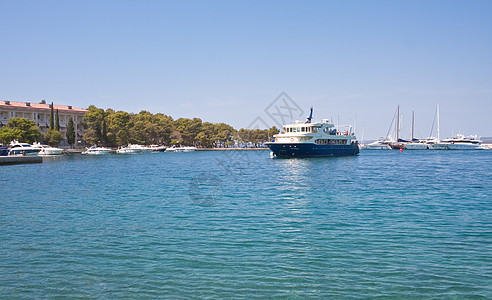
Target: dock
15,160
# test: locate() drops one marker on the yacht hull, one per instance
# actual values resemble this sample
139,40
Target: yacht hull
286,150
465,146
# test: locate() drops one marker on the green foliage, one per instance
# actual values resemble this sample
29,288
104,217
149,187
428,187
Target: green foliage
52,118
57,121
70,132
53,137
93,122
116,128
119,124
20,129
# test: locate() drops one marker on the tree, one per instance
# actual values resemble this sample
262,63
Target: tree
53,137
93,122
119,124
57,121
70,132
20,129
52,119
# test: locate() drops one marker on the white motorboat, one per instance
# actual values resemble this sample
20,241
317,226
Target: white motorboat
157,148
47,150
382,144
23,149
94,150
128,150
461,142
140,148
180,149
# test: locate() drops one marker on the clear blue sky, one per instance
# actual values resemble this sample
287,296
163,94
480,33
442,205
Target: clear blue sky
226,61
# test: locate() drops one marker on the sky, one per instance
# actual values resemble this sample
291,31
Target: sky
235,61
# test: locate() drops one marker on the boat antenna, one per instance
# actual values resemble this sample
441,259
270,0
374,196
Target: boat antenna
308,120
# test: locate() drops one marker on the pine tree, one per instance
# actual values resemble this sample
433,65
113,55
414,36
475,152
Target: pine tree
70,132
52,118
57,121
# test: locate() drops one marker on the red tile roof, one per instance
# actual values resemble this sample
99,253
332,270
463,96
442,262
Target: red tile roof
38,106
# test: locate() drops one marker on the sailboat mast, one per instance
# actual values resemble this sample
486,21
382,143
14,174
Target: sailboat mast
413,120
398,124
438,131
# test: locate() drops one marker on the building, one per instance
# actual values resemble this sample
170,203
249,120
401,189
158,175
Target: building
40,114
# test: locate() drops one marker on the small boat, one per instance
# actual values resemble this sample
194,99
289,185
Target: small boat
382,144
140,148
157,148
127,150
23,149
47,150
306,139
94,150
180,149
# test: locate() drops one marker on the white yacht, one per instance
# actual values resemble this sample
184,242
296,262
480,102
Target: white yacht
157,148
382,144
180,149
127,150
134,149
23,149
94,150
461,142
47,150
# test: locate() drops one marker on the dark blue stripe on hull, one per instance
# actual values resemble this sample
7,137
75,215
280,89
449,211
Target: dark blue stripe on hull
312,150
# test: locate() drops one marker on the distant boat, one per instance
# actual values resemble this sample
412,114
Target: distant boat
157,148
415,144
435,143
382,144
134,149
127,150
306,139
461,142
180,149
94,150
24,149
47,150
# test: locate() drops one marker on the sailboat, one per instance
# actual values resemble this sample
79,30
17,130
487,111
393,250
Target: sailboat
415,144
399,143
435,143
384,143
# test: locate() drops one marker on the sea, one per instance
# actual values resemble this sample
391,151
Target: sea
241,225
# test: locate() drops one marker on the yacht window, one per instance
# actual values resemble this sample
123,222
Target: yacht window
303,129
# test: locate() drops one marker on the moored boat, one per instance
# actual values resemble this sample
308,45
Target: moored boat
314,140
94,150
180,149
461,142
416,145
133,149
47,150
382,144
23,149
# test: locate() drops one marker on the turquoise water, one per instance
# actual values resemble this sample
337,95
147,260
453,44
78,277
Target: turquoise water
416,224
